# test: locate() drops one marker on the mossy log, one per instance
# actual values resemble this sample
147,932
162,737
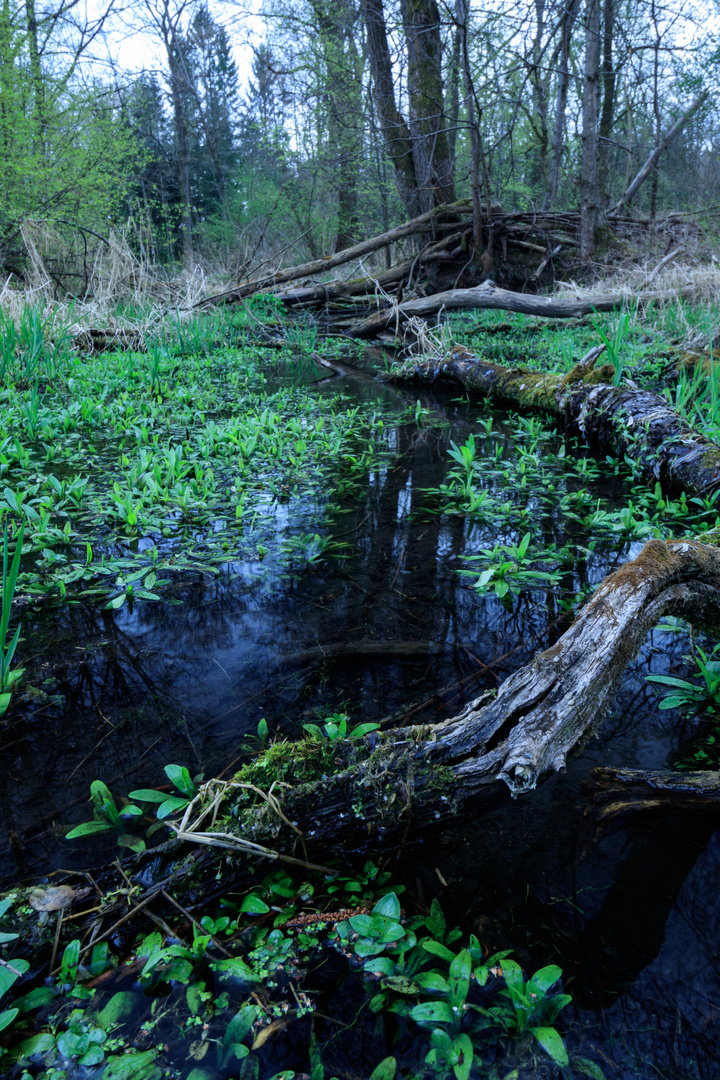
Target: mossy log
488,297
354,795
623,420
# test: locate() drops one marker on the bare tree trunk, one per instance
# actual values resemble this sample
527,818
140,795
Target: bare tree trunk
462,11
410,779
321,266
619,420
589,180
426,108
609,80
394,128
647,168
489,297
561,106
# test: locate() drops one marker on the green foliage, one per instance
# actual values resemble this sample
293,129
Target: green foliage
336,727
151,466
108,817
614,344
693,696
8,675
510,568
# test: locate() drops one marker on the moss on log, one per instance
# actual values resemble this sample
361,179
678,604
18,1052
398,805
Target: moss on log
622,419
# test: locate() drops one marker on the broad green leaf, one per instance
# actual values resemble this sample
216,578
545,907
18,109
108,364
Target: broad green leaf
237,968
381,965
588,1068
88,829
36,1044
253,905
432,1012
436,922
148,795
93,1056
385,1070
358,733
388,905
180,777
7,1017
170,805
543,979
7,975
442,1042
134,843
551,1043
119,1008
362,924
433,982
240,1026
512,973
463,1048
132,1066
401,984
436,949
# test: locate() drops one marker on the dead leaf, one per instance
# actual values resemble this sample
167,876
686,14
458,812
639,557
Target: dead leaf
53,899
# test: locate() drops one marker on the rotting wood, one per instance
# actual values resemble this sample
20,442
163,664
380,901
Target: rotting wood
622,419
615,796
488,297
351,794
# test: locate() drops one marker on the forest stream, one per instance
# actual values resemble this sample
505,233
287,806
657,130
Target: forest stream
375,615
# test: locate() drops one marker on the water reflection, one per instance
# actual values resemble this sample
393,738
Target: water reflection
392,630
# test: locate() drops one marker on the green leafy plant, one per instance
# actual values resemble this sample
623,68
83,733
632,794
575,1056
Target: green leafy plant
336,727
9,972
510,568
693,696
614,344
108,817
8,675
181,780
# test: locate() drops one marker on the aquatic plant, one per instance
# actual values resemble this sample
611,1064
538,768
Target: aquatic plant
693,695
510,568
9,676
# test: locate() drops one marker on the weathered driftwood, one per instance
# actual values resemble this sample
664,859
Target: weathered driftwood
623,419
487,297
354,795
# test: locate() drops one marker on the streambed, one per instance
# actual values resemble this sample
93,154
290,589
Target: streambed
376,627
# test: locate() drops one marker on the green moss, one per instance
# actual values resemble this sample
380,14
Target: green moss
295,763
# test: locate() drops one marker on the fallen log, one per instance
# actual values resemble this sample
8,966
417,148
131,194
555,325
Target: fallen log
357,251
488,296
623,419
351,794
369,284
616,794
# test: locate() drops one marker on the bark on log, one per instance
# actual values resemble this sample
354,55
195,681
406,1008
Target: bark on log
354,795
321,266
488,296
623,419
615,796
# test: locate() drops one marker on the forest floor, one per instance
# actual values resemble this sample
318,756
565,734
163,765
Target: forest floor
221,548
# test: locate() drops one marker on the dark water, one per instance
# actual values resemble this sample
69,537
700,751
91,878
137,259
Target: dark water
632,917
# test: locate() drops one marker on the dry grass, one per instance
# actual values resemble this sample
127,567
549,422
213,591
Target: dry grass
84,281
